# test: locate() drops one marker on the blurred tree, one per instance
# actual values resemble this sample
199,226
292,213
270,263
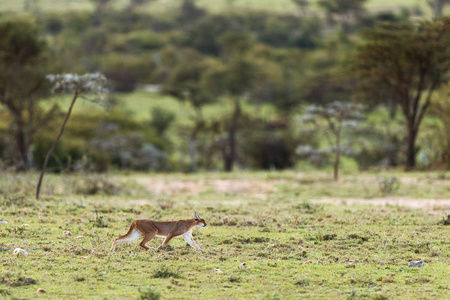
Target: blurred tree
32,6
303,4
161,119
441,108
234,78
23,64
134,4
331,119
438,6
189,12
204,34
343,10
100,7
87,84
405,63
184,83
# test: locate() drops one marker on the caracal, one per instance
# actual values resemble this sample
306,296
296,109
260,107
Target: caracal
149,229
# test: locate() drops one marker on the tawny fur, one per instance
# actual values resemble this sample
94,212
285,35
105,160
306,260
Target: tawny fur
149,229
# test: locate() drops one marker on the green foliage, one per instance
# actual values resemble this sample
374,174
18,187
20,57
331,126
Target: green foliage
161,119
166,272
98,222
202,35
441,108
13,280
445,221
15,230
189,12
60,157
331,120
203,52
393,50
148,294
23,65
137,42
388,185
268,148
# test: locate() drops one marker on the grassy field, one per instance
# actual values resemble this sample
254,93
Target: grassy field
269,236
213,5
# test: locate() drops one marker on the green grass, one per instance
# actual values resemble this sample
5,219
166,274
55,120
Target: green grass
213,5
139,105
266,237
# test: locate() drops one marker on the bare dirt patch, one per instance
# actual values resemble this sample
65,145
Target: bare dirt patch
195,187
261,188
433,205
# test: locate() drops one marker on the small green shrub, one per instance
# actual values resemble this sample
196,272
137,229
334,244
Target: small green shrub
98,222
15,229
166,272
445,221
388,185
302,282
325,237
148,294
9,279
234,278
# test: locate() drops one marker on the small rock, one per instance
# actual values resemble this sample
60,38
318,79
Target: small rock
41,291
416,263
3,222
67,233
20,251
80,237
25,225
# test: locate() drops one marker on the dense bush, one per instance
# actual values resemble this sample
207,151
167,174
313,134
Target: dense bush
126,71
57,162
269,149
98,141
293,58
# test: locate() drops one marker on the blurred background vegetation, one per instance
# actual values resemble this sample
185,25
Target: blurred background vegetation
202,85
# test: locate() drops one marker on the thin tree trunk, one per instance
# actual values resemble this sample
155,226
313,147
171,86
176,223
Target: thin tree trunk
22,146
192,152
336,165
337,160
411,147
231,155
52,148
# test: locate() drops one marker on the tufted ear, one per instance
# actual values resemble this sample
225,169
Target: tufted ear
196,216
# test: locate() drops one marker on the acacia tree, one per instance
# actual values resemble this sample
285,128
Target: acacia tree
405,64
89,86
441,108
22,84
100,6
302,4
184,83
437,6
233,78
331,120
343,10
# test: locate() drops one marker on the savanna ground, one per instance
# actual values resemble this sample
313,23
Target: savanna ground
271,235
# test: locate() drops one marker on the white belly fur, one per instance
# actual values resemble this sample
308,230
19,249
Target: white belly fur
135,234
164,236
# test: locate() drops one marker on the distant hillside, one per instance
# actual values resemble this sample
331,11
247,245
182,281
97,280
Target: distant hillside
216,5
